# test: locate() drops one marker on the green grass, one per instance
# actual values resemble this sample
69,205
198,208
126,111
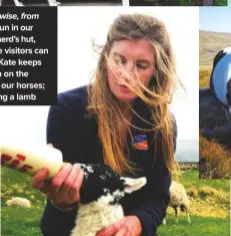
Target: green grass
17,184
205,226
221,2
15,220
209,217
215,3
25,221
190,178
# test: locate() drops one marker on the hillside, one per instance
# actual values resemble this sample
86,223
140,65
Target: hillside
210,44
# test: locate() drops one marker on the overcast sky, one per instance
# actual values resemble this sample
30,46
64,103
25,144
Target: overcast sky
216,19
77,27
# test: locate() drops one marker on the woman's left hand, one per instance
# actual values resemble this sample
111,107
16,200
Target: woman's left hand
128,226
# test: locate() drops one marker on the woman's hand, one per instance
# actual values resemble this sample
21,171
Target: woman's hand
63,189
128,226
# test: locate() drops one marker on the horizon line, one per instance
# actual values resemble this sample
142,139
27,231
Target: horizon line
211,31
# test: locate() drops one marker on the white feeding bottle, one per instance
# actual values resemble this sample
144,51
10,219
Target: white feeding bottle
31,158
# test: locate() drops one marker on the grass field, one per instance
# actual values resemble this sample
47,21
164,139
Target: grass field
200,2
209,207
216,154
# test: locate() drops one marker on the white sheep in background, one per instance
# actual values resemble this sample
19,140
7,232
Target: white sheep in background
180,199
100,194
18,202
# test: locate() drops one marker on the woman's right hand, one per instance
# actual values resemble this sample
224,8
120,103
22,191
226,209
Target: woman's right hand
63,189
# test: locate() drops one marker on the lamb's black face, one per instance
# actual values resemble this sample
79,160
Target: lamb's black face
100,181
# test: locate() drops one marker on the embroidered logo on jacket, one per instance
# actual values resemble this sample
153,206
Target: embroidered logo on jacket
140,142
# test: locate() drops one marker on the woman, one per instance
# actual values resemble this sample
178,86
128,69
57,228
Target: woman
121,120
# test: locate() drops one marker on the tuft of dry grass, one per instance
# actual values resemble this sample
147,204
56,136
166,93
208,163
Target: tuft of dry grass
214,196
206,209
215,160
192,192
204,75
207,191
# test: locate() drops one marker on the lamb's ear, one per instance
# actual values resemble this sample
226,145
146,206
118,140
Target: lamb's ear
132,185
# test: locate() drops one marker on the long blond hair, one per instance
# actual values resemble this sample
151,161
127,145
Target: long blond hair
113,126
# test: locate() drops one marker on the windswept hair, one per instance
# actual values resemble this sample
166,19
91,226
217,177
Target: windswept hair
113,127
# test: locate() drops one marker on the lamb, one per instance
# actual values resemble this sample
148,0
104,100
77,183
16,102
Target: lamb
18,202
100,193
180,199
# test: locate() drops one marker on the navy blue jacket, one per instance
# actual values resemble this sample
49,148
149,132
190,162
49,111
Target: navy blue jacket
71,130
